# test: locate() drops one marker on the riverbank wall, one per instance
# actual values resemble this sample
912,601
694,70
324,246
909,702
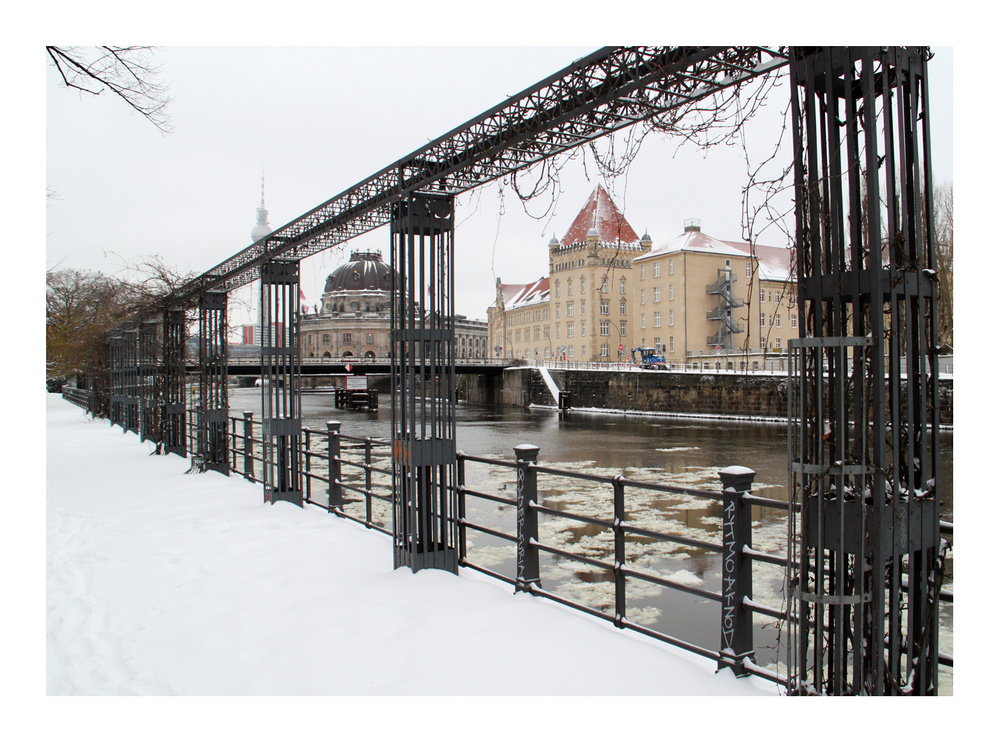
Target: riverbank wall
722,394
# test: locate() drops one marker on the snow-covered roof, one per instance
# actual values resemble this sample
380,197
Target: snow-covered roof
602,216
520,295
691,241
773,263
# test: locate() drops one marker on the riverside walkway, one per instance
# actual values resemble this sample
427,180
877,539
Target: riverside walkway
166,583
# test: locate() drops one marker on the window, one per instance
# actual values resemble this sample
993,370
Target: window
656,294
604,350
569,287
557,288
769,296
370,338
670,292
777,321
749,271
656,319
642,296
670,266
583,351
656,344
538,334
557,310
583,307
557,331
570,330
605,327
642,272
583,328
605,307
583,285
604,286
729,264
347,337
671,344
623,308
569,308
777,342
795,321
656,269
571,350
671,317
762,296
623,327
642,321
326,337
762,319
621,286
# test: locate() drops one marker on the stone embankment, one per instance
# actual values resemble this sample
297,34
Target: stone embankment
717,394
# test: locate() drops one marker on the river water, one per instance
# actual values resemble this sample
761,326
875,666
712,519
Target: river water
680,452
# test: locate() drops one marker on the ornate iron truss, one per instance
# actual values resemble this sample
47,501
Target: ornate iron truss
601,93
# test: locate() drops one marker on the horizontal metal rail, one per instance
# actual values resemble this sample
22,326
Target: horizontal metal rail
368,493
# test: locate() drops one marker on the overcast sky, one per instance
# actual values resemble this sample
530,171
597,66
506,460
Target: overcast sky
316,120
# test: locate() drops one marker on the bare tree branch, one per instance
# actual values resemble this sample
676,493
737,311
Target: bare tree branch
124,70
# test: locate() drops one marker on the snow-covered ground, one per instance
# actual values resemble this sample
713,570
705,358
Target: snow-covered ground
165,583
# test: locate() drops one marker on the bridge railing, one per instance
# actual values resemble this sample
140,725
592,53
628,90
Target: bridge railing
81,398
601,544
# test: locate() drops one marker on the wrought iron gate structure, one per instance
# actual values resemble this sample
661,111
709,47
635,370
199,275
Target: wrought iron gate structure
864,438
146,381
170,395
864,448
212,447
424,471
280,362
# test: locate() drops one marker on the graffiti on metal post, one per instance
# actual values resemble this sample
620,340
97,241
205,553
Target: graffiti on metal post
729,572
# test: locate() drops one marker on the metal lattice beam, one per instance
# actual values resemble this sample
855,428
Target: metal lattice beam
608,90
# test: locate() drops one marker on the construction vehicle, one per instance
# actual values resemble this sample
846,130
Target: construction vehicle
647,359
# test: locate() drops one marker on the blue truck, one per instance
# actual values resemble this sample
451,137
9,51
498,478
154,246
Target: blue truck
647,359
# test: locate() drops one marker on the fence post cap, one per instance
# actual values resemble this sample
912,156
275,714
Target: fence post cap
248,414
737,477
333,425
527,452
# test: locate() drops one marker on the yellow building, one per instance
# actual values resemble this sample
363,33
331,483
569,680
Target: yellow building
694,300
699,298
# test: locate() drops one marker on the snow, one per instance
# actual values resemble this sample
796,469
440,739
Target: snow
550,383
165,583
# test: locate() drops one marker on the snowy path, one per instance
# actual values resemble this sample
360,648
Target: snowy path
162,583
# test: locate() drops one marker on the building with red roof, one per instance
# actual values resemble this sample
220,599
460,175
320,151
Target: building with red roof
693,299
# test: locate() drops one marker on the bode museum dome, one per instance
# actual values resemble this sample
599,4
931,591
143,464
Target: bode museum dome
354,315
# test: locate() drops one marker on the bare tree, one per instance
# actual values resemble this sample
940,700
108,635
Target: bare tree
126,71
81,306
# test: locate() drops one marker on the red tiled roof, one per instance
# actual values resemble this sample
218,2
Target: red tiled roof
600,213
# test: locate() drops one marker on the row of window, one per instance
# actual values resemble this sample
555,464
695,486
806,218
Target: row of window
347,338
775,320
622,286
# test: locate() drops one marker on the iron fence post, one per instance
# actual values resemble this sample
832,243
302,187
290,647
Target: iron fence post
736,640
619,531
335,494
368,481
527,518
462,533
248,444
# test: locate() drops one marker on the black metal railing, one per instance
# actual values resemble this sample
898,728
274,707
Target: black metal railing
351,477
81,398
